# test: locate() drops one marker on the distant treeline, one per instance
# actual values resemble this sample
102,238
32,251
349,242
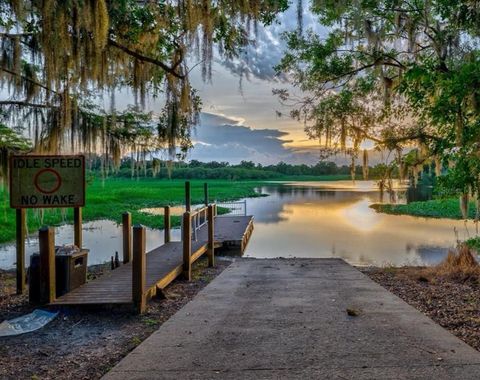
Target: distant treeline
245,170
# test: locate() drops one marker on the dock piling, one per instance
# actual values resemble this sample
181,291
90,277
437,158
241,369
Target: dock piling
166,224
127,237
211,237
188,197
21,232
77,225
139,268
187,246
46,237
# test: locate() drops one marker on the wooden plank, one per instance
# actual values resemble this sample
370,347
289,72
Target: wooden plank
163,265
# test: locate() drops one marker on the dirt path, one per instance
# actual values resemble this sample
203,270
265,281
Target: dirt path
85,344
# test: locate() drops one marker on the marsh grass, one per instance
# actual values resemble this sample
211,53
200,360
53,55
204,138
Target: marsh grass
460,265
108,199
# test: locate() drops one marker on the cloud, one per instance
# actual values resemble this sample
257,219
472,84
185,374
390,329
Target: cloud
222,138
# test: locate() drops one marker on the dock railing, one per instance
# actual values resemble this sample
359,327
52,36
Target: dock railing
235,207
192,221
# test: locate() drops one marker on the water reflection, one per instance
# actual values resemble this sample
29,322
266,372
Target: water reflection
306,219
334,219
102,237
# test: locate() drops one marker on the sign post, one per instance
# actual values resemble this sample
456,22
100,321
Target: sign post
45,182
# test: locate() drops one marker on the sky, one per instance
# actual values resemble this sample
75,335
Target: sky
240,122
239,119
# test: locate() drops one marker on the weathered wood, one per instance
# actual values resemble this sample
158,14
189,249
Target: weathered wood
163,265
127,237
166,224
205,193
188,197
77,227
21,224
187,246
46,238
139,268
211,236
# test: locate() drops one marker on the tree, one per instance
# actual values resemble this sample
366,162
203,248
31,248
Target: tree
59,57
394,72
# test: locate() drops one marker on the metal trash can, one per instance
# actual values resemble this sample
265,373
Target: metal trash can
70,272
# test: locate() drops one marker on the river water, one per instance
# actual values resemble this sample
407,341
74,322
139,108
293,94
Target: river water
305,219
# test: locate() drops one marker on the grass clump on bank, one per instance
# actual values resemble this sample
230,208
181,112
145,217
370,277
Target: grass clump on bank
460,265
436,208
108,199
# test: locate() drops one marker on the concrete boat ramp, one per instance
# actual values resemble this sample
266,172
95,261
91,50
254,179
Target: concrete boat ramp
287,319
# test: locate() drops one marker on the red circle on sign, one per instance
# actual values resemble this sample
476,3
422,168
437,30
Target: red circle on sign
47,191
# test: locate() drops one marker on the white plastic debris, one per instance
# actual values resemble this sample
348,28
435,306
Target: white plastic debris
26,323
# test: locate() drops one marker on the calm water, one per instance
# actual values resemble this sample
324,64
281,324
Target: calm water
305,219
333,219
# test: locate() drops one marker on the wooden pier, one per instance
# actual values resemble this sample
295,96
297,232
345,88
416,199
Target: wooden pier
139,279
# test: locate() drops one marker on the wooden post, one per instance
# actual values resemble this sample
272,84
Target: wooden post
205,192
188,197
77,226
187,246
46,237
21,223
139,266
166,224
211,237
127,237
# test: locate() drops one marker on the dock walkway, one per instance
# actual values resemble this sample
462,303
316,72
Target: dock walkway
287,319
163,265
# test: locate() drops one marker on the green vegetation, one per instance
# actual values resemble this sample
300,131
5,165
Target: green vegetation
245,170
436,208
108,199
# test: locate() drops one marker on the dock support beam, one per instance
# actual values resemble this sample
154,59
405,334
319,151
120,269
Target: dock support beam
77,225
46,237
166,224
139,268
211,237
187,246
205,193
188,197
21,223
127,237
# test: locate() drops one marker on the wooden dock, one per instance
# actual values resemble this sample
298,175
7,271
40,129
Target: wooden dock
163,264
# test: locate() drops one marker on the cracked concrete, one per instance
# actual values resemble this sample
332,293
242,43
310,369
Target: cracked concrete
286,318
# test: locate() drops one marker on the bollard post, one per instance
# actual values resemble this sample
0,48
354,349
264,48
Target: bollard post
46,237
187,246
77,225
127,237
139,268
188,197
21,223
211,237
166,224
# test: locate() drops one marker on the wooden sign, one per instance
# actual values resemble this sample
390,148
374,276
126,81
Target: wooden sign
47,181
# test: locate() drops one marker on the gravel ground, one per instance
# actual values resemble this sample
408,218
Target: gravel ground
453,304
85,344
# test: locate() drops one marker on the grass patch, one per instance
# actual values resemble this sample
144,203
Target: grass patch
436,208
460,265
110,198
